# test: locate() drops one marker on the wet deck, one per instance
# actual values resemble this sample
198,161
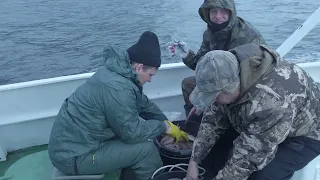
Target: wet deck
32,163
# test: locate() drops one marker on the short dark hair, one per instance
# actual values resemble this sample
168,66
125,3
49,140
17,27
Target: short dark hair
145,67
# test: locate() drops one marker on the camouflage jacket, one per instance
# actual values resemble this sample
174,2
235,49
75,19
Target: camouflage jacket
236,33
281,102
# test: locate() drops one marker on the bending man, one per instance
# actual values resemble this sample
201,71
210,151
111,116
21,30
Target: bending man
107,123
261,118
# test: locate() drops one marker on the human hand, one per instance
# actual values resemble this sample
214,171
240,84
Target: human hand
194,111
175,132
178,48
192,172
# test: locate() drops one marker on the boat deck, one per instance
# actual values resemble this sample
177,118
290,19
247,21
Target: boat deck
32,164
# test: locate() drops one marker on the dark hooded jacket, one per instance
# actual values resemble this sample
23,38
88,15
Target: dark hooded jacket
236,33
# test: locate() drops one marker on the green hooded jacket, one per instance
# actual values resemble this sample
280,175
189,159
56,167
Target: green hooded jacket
110,105
236,33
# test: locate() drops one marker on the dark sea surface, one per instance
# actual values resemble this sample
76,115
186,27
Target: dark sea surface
44,39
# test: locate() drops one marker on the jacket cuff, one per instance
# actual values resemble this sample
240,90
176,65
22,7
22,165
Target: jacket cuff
196,159
187,60
162,126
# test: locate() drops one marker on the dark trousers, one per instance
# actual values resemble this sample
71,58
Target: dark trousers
188,84
292,155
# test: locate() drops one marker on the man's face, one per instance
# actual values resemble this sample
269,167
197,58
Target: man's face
145,74
219,15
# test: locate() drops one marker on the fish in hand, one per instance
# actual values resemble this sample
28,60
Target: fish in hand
169,142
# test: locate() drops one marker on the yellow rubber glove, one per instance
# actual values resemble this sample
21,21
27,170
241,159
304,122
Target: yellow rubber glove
176,133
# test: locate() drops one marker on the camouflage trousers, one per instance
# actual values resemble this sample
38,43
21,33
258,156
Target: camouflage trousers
292,155
188,84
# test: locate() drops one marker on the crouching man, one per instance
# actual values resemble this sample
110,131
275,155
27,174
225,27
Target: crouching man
261,115
107,123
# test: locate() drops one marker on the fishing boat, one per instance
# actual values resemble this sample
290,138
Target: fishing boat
28,109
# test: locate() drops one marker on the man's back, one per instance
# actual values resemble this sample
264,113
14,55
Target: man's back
294,95
274,92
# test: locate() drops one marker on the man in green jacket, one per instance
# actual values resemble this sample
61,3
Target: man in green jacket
225,30
108,123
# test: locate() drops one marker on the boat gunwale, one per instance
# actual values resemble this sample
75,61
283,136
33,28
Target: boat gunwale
67,78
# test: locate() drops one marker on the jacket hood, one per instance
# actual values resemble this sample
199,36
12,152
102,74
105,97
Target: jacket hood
209,4
256,61
118,61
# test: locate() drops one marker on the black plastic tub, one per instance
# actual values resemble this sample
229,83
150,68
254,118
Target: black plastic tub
175,174
170,175
171,156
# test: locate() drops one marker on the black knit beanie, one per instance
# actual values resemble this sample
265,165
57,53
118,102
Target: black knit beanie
147,50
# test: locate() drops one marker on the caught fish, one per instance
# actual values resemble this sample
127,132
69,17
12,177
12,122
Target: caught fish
168,141
176,46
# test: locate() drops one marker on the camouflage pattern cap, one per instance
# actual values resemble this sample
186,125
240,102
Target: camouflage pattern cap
217,71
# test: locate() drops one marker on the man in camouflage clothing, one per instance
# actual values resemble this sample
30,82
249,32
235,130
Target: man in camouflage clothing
261,116
225,30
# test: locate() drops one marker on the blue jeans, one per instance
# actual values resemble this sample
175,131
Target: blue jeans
292,155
